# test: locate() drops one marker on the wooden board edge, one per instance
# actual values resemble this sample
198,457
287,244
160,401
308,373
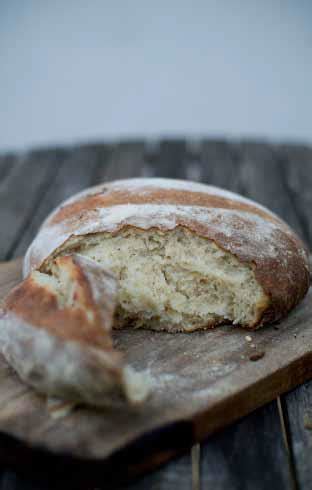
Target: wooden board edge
165,443
253,397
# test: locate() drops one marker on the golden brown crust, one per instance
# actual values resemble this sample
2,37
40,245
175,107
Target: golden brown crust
79,208
83,321
250,232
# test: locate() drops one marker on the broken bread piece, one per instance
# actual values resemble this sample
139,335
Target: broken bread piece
55,332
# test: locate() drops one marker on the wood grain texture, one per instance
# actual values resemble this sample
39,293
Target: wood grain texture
21,190
201,382
219,165
261,176
235,458
167,159
123,161
298,406
297,174
76,170
7,163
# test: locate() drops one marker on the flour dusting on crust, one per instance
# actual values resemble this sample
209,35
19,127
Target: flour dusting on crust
260,241
238,225
143,185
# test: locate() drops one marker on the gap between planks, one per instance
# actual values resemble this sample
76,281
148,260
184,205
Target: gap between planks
195,455
282,412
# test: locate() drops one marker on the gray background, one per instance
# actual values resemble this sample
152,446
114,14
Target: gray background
78,70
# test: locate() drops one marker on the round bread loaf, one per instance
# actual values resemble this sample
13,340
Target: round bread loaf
186,255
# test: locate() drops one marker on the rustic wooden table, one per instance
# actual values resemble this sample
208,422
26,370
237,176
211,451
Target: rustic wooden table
272,447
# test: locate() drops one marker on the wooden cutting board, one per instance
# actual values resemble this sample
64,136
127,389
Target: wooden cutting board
201,382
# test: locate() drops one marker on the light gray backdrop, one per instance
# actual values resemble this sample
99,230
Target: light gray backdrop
79,70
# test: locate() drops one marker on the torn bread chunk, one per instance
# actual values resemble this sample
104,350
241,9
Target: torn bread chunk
55,332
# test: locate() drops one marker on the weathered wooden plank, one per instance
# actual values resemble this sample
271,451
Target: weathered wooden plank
244,168
124,160
298,408
241,456
192,161
297,175
297,172
7,162
172,476
219,166
76,169
20,193
168,159
261,176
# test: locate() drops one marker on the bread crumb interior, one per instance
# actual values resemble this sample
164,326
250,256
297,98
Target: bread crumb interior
174,280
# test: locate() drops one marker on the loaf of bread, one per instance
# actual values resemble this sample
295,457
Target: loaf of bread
184,256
